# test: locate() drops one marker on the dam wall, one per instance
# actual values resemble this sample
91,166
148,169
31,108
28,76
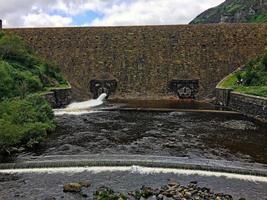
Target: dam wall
144,59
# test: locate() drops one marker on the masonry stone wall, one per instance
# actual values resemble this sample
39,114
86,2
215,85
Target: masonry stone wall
59,98
145,59
248,105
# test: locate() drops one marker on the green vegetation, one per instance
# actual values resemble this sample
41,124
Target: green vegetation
105,193
25,117
250,80
233,7
22,72
258,18
24,121
234,11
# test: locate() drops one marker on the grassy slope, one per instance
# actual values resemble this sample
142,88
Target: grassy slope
254,76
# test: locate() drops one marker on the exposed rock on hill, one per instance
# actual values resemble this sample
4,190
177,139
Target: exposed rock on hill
235,11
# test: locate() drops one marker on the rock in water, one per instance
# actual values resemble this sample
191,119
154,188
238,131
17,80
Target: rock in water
72,187
85,184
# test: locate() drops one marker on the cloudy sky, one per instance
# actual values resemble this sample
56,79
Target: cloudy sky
37,13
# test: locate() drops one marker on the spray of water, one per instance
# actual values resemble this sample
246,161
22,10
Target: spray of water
79,108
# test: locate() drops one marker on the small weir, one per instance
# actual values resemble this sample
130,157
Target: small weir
46,182
139,170
193,166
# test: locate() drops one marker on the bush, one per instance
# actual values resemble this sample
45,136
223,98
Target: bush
250,77
6,80
24,121
15,83
32,82
22,71
254,73
12,48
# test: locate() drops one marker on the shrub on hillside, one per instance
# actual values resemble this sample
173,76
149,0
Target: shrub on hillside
6,81
25,121
17,83
254,73
21,71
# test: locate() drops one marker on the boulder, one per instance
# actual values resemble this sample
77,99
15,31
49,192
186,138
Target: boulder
72,187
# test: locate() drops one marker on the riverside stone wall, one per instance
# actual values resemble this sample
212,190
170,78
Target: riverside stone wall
248,105
145,59
59,98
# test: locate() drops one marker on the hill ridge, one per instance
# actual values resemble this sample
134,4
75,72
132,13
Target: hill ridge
235,11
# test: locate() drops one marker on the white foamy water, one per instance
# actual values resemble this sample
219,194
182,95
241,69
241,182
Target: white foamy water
139,170
73,112
80,108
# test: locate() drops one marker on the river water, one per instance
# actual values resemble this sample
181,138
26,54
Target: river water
194,135
219,137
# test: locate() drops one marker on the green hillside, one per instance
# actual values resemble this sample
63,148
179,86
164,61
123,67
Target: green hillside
235,11
25,117
22,72
252,79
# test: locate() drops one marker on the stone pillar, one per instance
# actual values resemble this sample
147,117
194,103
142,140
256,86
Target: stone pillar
223,96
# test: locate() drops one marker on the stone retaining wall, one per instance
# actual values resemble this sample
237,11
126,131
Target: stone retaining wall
248,105
59,98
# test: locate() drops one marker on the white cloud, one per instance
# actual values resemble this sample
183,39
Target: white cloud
75,7
34,13
45,20
153,12
31,13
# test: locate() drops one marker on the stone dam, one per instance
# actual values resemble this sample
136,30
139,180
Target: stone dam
136,139
144,60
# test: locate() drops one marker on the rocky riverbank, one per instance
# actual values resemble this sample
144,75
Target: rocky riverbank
121,185
171,191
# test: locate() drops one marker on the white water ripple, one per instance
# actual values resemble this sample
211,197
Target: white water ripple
139,170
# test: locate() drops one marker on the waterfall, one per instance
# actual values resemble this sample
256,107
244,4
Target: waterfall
79,108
